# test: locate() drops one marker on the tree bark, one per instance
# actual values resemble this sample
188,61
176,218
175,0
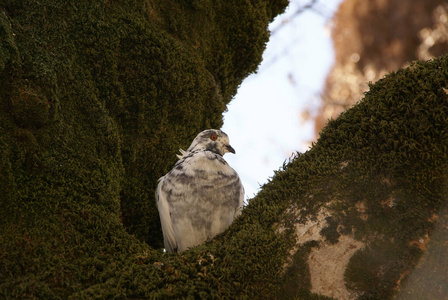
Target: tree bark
98,97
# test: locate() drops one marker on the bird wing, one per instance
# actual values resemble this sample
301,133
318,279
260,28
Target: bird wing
169,239
239,207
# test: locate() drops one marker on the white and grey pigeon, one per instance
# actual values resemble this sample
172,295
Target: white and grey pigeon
201,196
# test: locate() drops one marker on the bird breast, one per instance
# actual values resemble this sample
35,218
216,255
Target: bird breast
202,165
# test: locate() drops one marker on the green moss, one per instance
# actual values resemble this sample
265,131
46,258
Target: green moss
96,99
375,271
388,153
331,231
430,277
296,280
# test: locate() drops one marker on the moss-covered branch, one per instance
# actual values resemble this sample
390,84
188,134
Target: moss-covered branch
97,97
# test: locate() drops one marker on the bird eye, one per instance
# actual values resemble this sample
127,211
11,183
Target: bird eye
213,137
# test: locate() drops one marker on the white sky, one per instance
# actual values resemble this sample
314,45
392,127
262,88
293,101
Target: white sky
265,120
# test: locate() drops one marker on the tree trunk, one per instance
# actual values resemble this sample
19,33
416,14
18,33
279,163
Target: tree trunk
96,99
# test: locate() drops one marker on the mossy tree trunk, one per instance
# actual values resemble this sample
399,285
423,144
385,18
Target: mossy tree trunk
96,98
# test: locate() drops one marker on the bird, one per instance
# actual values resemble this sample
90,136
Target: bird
201,196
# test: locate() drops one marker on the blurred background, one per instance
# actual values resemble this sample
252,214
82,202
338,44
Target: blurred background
318,62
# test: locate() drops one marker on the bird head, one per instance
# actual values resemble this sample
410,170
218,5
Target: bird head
212,140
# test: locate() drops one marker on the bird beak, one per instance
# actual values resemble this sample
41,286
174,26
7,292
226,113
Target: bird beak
230,149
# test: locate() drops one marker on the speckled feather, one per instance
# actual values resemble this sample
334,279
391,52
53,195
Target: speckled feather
200,197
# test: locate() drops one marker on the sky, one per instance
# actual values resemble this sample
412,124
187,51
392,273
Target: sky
270,117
